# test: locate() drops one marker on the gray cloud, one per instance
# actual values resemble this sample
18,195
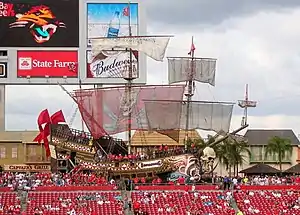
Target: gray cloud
22,109
259,50
211,12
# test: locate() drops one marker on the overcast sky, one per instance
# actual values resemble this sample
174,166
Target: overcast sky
255,42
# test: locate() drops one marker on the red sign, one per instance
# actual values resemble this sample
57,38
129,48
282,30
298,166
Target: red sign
7,9
39,64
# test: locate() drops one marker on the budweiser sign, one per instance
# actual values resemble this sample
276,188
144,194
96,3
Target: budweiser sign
47,63
112,64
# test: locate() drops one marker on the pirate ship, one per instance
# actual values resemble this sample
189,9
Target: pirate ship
166,109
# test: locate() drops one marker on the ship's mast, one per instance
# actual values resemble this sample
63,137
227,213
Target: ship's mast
245,118
245,104
190,91
82,122
129,80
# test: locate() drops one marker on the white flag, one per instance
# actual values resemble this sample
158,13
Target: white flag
154,47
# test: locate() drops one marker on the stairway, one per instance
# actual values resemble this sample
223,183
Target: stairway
233,202
23,196
126,195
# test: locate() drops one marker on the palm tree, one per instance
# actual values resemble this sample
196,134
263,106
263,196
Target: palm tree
239,152
280,147
232,153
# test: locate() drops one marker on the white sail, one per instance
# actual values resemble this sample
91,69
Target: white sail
154,47
208,116
163,115
167,115
183,69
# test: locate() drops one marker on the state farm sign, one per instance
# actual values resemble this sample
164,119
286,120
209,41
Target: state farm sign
47,64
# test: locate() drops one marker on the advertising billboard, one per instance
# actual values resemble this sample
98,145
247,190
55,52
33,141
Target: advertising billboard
37,64
111,20
111,64
3,70
43,23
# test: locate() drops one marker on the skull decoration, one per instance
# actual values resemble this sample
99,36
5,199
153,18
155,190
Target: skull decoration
128,104
208,159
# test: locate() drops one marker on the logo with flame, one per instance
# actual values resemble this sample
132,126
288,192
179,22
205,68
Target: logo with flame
41,22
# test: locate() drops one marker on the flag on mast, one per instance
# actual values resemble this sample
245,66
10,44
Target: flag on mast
193,48
126,10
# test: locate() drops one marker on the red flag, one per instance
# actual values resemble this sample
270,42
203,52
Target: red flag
193,48
46,132
43,118
38,138
57,117
47,148
126,11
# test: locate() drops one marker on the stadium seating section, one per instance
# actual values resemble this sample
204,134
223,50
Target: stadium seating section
211,202
38,199
268,202
262,201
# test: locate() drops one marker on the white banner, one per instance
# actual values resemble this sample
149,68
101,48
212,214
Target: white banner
243,103
111,64
183,69
150,164
154,47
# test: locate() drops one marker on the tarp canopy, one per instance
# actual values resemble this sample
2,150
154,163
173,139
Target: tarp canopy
260,168
294,169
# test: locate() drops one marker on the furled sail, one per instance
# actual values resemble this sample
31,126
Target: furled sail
153,46
184,69
111,107
164,115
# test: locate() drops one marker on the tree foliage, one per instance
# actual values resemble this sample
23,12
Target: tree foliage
280,147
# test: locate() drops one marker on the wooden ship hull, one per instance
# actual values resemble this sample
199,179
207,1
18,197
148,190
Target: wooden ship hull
67,142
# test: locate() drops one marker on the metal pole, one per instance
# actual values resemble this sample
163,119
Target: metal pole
81,99
246,107
129,81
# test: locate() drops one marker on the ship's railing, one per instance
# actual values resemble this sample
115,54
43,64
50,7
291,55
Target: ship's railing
77,136
63,131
